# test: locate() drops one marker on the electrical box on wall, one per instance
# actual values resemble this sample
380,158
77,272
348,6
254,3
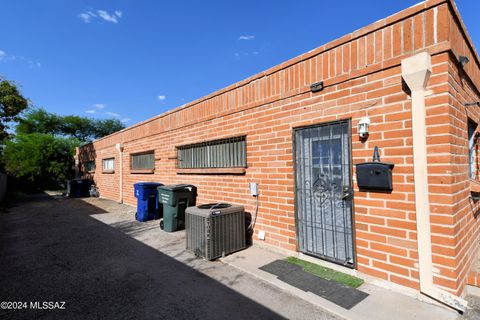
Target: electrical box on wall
254,189
317,86
261,235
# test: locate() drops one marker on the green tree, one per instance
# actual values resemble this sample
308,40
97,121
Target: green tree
85,129
12,103
41,159
41,153
102,128
38,121
78,127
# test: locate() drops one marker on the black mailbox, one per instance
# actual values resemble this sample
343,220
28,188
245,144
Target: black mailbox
375,176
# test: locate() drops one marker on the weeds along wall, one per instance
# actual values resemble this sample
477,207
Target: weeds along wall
361,75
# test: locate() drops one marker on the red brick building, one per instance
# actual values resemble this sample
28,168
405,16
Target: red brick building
409,75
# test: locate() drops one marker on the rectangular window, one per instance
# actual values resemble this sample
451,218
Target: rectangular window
108,164
223,153
89,166
143,161
472,127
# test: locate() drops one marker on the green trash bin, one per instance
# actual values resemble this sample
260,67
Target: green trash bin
175,199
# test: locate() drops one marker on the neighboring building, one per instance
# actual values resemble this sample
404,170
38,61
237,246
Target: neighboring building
406,75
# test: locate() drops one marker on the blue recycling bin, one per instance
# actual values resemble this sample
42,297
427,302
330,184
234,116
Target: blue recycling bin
147,201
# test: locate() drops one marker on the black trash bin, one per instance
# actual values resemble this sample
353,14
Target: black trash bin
175,199
78,188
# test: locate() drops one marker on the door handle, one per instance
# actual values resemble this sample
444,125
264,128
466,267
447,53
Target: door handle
347,193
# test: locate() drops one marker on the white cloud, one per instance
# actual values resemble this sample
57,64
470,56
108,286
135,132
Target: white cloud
108,17
85,17
162,97
112,114
10,57
245,53
28,61
89,16
246,37
98,110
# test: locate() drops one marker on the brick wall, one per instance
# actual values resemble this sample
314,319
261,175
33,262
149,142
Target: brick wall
462,218
362,77
458,221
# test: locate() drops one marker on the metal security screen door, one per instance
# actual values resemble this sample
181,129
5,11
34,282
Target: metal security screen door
324,192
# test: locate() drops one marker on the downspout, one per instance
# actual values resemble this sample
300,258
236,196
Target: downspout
77,162
119,148
416,71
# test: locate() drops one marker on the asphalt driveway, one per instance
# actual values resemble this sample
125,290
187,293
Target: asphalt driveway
69,258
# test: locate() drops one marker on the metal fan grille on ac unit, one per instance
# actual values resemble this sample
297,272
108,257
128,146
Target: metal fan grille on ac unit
213,233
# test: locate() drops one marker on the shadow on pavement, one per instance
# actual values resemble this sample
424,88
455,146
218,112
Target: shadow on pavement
52,250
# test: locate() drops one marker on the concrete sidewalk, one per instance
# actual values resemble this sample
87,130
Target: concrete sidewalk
381,304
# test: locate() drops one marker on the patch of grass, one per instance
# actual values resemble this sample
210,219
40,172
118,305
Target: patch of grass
327,273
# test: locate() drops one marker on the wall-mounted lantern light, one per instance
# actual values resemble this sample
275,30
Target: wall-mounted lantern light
363,125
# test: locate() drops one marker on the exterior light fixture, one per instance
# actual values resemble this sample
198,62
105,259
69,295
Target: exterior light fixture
363,125
463,60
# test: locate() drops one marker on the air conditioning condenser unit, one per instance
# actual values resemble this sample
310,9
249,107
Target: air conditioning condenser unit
215,230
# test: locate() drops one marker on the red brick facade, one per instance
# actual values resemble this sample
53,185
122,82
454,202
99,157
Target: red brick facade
362,77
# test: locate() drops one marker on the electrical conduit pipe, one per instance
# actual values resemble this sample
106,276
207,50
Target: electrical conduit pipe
119,148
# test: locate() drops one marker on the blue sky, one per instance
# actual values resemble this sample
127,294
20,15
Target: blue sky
136,59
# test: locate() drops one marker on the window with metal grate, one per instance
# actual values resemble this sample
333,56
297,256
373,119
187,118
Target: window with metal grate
141,161
223,153
108,164
472,144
